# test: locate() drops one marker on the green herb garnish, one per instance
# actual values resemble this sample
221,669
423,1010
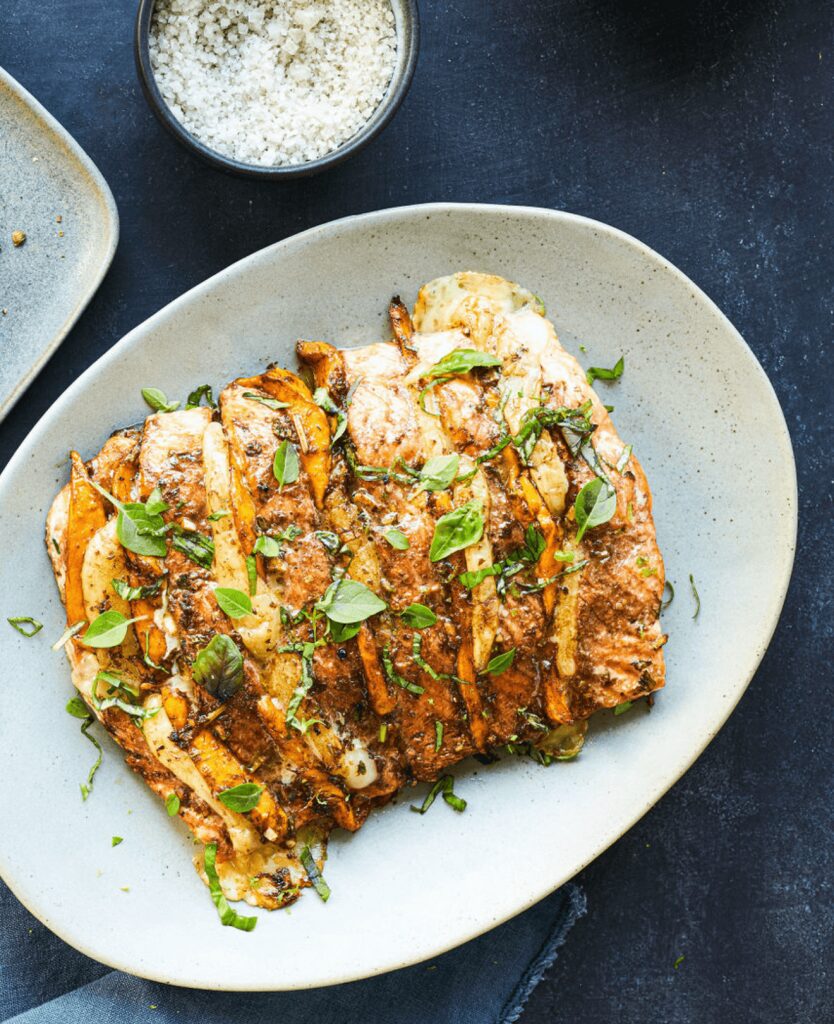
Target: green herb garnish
194,545
696,596
285,463
348,601
393,676
241,798
129,593
438,473
500,663
172,805
116,840
221,513
438,735
600,373
665,602
308,862
20,622
158,400
233,602
322,398
625,455
219,667
270,403
252,574
461,360
457,530
78,709
418,616
199,394
228,916
107,630
621,709
445,787
595,504
397,539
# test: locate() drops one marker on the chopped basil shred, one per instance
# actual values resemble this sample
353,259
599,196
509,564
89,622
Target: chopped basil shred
665,602
696,596
600,373
252,574
194,545
622,462
461,360
621,709
78,709
438,735
270,403
221,513
393,676
445,787
228,916
68,634
129,593
20,622
199,394
308,862
172,805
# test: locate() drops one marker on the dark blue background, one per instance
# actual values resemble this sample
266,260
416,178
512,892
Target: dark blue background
705,130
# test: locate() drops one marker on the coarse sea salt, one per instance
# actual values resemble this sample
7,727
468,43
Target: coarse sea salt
277,83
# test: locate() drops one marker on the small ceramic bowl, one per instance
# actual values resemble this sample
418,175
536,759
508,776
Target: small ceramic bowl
408,31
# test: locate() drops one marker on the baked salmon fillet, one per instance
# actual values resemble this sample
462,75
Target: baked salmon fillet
338,582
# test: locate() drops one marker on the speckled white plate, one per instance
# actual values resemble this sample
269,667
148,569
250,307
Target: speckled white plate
709,431
46,283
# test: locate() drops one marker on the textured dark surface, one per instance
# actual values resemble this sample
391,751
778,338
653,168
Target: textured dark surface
705,130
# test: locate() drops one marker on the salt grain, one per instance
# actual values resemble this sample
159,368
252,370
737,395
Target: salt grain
273,83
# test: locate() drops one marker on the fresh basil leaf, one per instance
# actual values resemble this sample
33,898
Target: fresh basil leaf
393,676
534,543
622,462
340,633
172,805
141,532
121,687
252,574
221,513
267,546
228,916
600,373
443,787
322,398
457,530
129,593
308,862
696,596
621,709
107,630
20,622
397,540
203,392
156,504
285,463
438,473
86,788
595,504
501,662
233,602
219,667
241,798
461,360
194,545
77,708
418,616
158,400
348,601
270,403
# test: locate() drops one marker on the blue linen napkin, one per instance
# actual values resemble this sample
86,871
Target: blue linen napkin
487,981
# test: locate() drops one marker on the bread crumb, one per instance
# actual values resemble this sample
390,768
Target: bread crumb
18,238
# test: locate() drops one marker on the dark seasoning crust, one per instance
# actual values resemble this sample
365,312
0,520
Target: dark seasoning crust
330,727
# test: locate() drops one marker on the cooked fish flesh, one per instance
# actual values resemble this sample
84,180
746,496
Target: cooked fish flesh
344,581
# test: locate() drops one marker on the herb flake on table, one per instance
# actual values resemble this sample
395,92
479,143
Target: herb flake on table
21,622
595,373
445,787
308,862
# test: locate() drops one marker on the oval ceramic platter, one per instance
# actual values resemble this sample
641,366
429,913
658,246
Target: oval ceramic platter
51,190
709,431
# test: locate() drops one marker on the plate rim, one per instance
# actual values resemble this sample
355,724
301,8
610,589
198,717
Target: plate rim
108,250
441,945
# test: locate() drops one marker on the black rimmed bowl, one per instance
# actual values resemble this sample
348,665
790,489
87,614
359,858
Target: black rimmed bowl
407,26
